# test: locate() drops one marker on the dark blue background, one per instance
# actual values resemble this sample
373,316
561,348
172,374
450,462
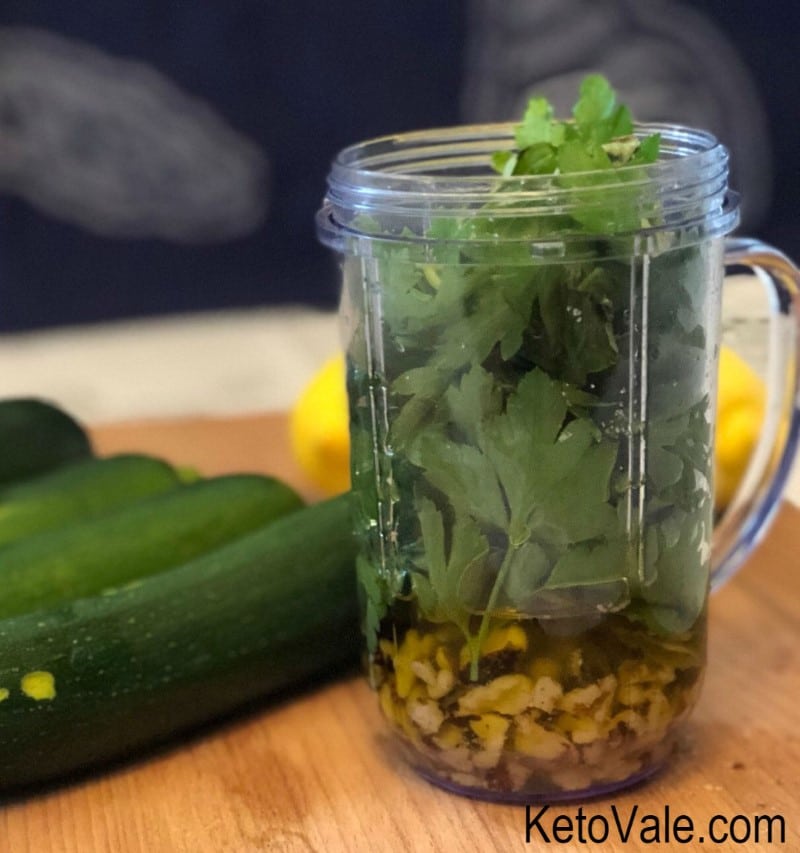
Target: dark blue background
303,79
766,35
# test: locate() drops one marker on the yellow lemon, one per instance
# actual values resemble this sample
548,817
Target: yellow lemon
741,401
318,428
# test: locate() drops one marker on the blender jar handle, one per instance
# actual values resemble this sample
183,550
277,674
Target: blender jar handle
756,499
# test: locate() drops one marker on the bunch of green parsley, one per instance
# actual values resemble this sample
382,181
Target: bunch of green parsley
509,436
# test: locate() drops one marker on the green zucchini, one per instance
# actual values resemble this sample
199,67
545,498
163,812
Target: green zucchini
82,490
153,534
37,436
100,678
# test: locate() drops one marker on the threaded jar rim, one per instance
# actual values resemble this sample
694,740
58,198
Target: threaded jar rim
397,187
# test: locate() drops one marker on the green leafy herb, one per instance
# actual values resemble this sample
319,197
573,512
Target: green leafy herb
528,465
538,483
599,137
439,590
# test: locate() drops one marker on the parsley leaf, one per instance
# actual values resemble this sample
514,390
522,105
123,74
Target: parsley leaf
531,476
538,125
596,101
585,152
375,598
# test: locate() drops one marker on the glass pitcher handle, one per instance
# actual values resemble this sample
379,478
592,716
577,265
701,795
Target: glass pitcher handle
756,499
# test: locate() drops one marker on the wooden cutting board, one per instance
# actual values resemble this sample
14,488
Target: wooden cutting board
313,772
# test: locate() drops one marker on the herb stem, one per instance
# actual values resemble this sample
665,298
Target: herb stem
483,629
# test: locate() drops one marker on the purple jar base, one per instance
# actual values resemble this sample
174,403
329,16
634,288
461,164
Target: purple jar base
526,797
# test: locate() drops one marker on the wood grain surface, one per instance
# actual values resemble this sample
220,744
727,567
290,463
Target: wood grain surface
315,772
